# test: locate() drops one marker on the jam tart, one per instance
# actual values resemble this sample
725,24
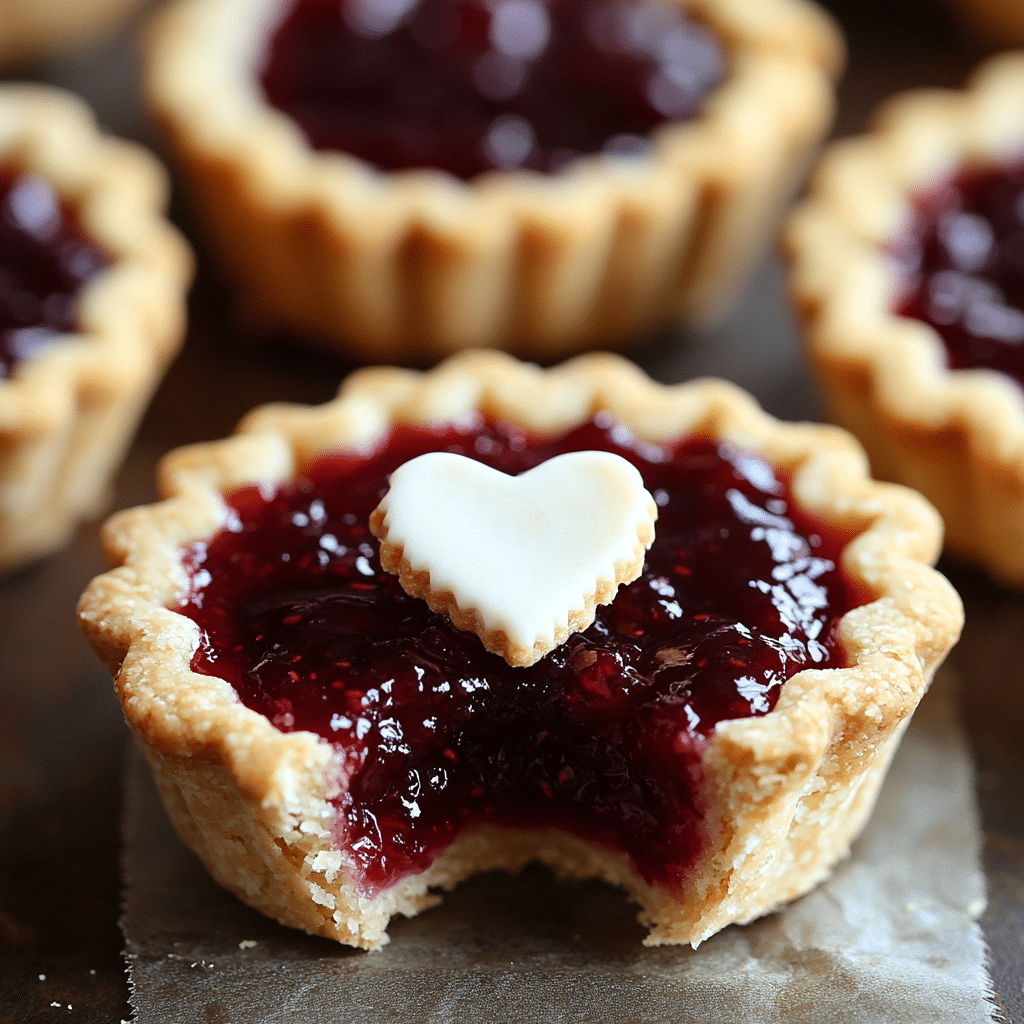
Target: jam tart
413,262
906,272
34,29
335,751
92,289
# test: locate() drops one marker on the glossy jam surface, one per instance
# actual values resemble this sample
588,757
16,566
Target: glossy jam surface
964,266
603,737
472,85
45,258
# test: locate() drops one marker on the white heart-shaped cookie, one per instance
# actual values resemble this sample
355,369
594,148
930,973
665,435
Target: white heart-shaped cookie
520,561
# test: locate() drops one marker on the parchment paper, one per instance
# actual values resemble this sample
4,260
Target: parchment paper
891,937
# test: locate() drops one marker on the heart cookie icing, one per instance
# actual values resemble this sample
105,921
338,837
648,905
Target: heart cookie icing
520,561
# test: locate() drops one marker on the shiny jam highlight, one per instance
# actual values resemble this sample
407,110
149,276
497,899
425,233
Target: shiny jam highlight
45,259
474,85
963,267
603,737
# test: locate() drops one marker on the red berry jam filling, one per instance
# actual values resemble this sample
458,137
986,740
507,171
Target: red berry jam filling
964,265
45,259
604,736
472,85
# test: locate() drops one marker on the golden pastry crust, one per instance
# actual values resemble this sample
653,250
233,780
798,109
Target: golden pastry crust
68,413
956,436
415,265
785,793
30,29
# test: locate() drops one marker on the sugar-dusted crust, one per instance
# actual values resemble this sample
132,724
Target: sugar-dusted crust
416,265
784,794
958,437
30,29
546,568
67,415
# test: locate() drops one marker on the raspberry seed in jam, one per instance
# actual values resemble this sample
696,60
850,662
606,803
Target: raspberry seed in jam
603,737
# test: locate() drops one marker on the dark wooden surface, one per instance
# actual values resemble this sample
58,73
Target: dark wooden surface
61,734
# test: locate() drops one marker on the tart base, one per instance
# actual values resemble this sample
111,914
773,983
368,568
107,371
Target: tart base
50,484
286,865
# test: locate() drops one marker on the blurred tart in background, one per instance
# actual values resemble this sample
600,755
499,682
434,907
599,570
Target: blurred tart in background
908,273
92,310
403,180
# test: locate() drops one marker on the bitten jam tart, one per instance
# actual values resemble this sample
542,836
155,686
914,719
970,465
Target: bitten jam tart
408,179
92,286
907,272
34,29
335,751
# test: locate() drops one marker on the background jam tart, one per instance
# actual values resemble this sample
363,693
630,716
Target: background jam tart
467,86
657,209
908,275
332,749
963,265
92,283
45,259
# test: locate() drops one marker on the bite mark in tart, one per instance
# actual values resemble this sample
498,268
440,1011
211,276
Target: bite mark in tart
413,264
906,272
92,283
333,749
